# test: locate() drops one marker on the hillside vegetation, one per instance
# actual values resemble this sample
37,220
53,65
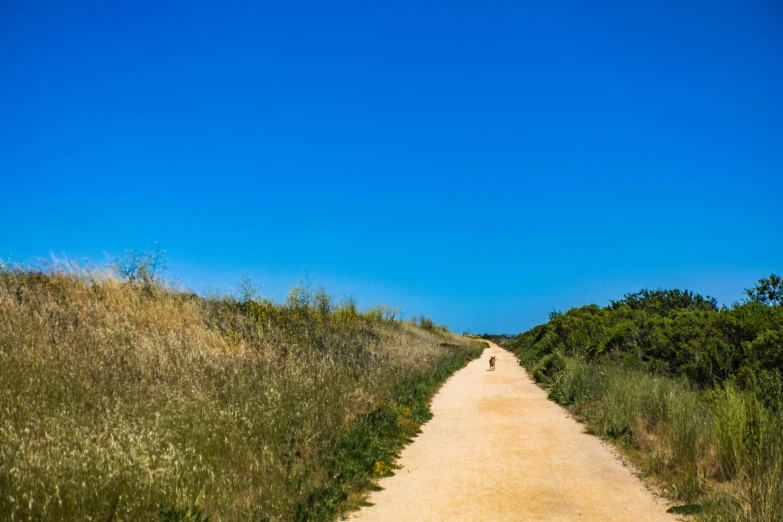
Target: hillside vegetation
123,398
690,392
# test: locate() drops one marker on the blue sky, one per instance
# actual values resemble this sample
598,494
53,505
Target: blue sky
480,163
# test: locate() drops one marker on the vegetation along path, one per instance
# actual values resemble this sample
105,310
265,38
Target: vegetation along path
497,449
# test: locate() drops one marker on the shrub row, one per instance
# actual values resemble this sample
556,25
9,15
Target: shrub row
691,392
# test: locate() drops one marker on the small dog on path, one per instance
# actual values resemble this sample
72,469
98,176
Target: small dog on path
492,363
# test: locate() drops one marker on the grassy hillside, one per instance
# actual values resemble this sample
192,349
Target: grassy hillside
124,399
692,393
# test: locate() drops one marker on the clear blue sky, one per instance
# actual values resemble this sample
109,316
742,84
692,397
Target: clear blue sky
480,163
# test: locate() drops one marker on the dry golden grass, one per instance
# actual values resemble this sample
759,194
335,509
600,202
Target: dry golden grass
116,398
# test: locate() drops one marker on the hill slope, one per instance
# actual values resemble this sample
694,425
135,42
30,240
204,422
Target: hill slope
123,398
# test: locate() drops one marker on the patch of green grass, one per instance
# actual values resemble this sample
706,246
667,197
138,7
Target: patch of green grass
368,449
685,509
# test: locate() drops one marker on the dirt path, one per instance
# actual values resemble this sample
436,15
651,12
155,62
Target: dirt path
497,449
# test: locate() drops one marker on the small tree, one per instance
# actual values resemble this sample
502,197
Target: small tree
322,301
246,290
427,323
145,268
301,296
768,291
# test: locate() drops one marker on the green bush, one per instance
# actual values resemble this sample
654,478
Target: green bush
692,393
550,366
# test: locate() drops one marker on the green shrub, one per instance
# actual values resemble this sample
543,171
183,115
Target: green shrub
549,367
692,393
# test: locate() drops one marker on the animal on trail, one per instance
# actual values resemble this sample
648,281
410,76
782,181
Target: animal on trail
492,363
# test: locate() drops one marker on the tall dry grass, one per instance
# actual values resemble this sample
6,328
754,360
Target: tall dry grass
720,451
123,401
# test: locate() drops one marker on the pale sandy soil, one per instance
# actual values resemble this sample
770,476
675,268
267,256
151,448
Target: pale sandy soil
497,449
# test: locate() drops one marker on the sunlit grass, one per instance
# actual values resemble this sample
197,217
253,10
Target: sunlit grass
122,401
719,450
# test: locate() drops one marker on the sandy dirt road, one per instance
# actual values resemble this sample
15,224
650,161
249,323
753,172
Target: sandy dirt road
498,450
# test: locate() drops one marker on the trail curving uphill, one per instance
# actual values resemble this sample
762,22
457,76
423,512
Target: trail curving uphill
498,450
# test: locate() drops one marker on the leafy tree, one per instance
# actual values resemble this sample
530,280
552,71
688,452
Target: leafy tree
768,291
672,332
664,302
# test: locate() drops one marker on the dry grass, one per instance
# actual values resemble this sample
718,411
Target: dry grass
118,398
720,451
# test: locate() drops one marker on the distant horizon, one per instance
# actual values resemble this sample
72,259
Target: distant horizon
281,290
480,165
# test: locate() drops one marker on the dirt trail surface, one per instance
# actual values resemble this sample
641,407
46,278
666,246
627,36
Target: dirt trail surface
497,449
